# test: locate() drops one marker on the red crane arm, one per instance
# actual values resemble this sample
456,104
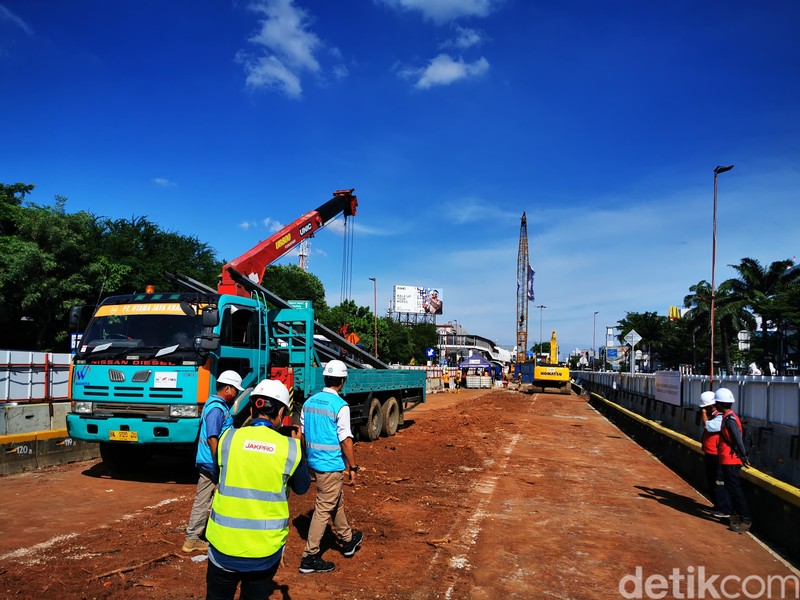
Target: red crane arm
253,262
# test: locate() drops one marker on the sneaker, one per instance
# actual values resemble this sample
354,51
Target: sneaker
194,545
349,548
720,514
741,526
314,564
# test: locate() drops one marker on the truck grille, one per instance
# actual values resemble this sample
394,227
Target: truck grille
131,391
137,410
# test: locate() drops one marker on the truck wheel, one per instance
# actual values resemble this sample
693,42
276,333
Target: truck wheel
123,459
390,415
371,430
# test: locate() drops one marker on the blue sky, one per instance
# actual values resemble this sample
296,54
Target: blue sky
603,121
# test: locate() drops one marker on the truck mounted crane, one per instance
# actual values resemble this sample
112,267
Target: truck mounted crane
147,362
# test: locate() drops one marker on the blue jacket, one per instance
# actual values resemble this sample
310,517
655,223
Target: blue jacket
320,413
204,459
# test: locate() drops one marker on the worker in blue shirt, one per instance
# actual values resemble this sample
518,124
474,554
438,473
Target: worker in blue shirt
249,520
214,420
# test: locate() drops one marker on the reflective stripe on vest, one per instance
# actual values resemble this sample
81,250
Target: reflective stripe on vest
250,513
727,454
321,435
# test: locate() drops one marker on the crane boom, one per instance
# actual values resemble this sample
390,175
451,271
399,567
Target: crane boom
522,291
253,262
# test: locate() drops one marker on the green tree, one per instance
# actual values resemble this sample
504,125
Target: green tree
11,197
650,326
290,282
149,252
50,264
757,288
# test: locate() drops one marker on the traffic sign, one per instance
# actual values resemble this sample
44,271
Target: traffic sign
632,338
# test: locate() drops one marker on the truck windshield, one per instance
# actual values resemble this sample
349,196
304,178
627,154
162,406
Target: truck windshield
127,327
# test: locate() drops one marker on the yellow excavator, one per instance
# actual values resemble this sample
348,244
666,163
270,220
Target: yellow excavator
551,374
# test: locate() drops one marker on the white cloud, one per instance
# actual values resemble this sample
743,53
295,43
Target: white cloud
272,224
441,11
247,225
163,182
444,70
288,48
7,15
464,38
476,210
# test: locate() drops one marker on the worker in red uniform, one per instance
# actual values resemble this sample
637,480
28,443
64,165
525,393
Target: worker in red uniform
712,423
732,457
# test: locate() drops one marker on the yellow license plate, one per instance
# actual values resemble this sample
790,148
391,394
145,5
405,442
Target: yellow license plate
123,436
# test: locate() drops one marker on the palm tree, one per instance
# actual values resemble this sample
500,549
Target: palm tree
757,288
699,318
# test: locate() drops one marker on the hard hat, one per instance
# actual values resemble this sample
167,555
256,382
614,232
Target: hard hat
272,389
724,395
706,399
335,368
231,378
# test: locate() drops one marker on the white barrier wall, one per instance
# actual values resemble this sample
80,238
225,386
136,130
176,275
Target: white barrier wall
33,376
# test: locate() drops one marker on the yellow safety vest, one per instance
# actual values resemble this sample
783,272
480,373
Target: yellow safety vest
250,513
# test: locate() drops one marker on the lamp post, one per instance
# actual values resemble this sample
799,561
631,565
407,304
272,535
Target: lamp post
541,307
375,310
594,338
717,171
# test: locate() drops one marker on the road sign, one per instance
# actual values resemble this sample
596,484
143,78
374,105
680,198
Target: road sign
430,352
632,338
611,354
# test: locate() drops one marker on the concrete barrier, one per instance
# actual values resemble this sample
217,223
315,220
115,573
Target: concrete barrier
775,505
34,450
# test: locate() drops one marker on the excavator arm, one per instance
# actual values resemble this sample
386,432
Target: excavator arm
253,262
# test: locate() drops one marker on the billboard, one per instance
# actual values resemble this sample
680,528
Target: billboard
420,300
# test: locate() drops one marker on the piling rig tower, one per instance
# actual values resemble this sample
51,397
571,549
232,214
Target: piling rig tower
522,291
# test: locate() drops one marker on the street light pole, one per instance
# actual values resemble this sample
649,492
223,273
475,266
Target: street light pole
717,171
594,338
540,307
375,309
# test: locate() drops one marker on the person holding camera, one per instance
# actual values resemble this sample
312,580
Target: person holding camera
249,520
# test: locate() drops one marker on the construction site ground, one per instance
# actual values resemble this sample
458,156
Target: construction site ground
481,495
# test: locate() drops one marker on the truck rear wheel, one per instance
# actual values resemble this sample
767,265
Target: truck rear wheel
390,415
123,458
371,430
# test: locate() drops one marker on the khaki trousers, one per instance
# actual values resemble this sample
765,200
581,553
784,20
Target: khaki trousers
329,504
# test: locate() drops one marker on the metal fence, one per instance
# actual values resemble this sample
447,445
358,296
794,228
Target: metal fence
32,377
769,400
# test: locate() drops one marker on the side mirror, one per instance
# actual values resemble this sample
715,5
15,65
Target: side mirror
209,342
210,317
75,316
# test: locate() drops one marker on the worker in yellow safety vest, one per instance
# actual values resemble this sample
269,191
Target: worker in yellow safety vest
249,519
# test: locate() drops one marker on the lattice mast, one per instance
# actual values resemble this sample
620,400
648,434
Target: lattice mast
522,291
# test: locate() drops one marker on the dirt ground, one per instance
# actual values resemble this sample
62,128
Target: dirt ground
481,495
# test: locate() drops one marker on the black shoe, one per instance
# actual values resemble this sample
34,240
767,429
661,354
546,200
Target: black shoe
720,514
314,564
349,548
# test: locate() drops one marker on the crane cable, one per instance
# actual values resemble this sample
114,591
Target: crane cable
347,263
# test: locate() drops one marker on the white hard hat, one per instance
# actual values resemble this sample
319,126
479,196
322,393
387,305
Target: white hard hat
273,389
706,399
724,395
231,378
335,368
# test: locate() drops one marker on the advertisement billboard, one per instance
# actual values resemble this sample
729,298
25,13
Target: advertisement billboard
419,300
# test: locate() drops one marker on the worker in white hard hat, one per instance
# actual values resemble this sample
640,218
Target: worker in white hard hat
732,456
325,423
712,422
249,520
214,421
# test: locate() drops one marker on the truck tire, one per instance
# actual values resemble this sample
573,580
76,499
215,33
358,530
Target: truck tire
390,415
371,430
123,458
